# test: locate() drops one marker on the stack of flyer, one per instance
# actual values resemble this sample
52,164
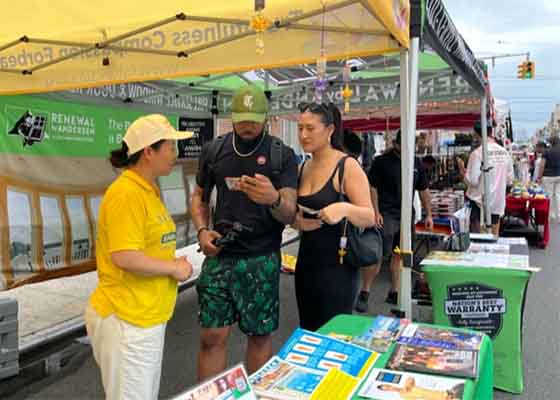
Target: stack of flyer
447,203
309,355
437,351
311,366
478,260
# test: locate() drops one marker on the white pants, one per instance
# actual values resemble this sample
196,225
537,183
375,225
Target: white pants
129,356
552,186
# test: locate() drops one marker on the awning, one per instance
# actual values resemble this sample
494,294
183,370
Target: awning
438,31
59,45
457,121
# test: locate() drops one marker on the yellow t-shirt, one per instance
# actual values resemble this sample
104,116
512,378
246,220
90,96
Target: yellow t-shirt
133,217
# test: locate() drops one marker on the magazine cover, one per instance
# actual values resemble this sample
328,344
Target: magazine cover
230,385
380,335
315,351
435,360
384,384
416,335
280,380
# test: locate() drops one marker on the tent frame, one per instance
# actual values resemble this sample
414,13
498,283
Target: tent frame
289,22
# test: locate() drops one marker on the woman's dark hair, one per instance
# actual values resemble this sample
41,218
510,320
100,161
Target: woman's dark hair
330,115
119,158
352,143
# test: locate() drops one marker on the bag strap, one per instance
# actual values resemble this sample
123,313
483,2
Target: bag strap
344,227
276,155
340,168
214,149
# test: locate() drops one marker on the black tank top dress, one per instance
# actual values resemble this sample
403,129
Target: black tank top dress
324,287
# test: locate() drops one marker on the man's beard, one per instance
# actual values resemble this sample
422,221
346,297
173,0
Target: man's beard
248,144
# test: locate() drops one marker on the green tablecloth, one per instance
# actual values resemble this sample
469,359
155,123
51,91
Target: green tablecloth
479,389
453,286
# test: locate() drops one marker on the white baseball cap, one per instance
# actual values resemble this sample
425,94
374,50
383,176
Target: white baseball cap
150,129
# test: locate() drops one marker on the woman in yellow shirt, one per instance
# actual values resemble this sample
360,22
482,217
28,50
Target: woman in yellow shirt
136,264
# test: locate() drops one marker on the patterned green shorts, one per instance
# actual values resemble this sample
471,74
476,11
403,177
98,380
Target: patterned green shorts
240,289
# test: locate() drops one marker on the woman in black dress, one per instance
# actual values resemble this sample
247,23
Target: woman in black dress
324,286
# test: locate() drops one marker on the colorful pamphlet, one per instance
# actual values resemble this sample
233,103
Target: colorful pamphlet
435,360
232,384
315,351
383,384
428,336
379,336
280,380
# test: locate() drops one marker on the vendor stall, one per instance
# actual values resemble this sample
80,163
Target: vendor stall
485,290
71,47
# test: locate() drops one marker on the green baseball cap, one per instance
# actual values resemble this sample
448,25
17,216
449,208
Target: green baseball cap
249,104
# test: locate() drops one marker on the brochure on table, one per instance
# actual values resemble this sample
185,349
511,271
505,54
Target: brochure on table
384,384
232,384
382,332
478,260
423,335
278,379
322,353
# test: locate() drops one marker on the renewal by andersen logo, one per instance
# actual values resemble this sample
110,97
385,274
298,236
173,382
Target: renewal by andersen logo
30,127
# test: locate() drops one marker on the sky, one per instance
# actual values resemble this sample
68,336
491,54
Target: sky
497,27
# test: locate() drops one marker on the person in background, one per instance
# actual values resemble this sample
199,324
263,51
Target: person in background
136,264
500,175
239,283
540,149
550,177
385,181
429,163
352,145
325,286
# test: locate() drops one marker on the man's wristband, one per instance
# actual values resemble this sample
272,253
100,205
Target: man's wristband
199,231
277,203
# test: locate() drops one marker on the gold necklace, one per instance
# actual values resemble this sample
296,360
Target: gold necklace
249,153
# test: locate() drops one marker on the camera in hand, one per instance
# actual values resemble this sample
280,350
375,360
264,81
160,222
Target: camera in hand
232,231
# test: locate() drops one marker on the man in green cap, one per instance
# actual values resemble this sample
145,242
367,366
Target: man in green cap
255,176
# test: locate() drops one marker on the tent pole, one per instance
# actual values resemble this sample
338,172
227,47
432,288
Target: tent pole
485,164
408,137
404,290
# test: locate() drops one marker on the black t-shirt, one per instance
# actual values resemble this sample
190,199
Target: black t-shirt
385,176
235,206
552,165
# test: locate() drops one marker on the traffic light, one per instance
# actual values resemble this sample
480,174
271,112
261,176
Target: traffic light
522,70
530,70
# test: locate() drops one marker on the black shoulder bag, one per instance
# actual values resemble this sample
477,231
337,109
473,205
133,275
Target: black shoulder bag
359,247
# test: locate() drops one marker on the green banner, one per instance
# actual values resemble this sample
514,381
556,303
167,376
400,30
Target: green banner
54,170
489,300
39,127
